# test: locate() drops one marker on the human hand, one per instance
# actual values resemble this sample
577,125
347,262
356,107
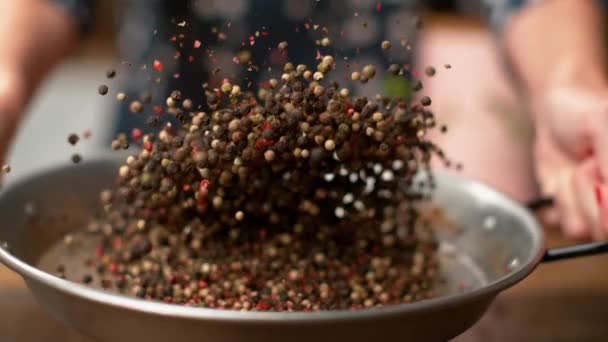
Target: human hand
571,156
12,100
35,35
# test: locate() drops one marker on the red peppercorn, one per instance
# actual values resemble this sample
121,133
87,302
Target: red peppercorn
158,110
136,134
399,140
262,306
158,65
205,184
148,146
262,233
260,143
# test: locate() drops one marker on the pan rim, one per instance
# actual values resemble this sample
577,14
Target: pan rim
31,274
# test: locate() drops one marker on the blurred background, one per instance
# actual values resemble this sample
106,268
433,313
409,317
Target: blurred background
564,302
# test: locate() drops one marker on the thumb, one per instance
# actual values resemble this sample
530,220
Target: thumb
591,196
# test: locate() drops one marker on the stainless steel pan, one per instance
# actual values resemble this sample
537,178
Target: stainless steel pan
498,244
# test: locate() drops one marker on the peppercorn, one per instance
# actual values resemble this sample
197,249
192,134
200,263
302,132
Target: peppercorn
269,155
73,139
87,279
103,89
244,189
368,72
76,158
425,101
136,107
110,73
394,69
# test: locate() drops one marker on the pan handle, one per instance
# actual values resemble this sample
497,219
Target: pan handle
578,250
583,249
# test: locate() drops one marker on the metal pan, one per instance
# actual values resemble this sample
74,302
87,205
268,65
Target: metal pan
498,244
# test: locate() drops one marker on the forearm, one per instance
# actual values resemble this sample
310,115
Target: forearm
35,35
557,42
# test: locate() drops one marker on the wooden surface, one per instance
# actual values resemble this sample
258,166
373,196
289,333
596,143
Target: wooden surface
563,301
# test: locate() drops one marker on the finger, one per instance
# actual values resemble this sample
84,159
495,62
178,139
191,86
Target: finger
590,195
601,193
574,223
548,180
599,134
591,170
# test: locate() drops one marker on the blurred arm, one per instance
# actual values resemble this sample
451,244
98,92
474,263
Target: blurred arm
35,35
557,43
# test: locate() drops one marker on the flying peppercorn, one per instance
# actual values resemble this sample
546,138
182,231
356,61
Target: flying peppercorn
136,107
73,139
369,71
76,158
110,73
425,101
103,89
394,69
265,187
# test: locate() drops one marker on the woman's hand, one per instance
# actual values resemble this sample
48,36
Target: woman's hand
571,155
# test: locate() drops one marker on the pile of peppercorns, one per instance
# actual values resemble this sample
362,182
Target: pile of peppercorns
298,198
